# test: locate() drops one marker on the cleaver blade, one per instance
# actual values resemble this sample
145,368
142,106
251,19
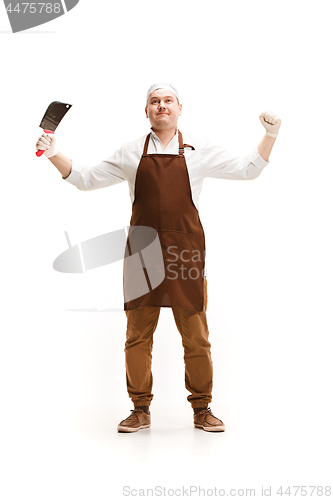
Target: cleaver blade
52,117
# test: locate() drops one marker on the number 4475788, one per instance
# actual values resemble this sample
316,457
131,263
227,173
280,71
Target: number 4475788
33,8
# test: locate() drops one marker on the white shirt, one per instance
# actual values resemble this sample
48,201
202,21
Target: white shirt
207,160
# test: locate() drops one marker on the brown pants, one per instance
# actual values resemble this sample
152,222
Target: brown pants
192,325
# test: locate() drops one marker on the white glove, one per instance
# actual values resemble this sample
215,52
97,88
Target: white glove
48,143
271,122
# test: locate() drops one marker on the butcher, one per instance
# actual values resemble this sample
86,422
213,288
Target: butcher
165,170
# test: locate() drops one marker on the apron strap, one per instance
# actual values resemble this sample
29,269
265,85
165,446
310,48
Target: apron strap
181,144
145,149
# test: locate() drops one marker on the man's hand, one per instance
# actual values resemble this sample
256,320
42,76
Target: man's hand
48,143
271,122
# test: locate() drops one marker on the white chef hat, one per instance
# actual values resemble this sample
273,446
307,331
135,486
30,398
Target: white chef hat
168,86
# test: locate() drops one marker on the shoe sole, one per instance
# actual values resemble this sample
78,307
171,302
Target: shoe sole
217,428
132,429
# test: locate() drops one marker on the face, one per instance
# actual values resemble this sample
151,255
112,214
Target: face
163,109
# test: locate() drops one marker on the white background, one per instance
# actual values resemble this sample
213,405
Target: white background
269,257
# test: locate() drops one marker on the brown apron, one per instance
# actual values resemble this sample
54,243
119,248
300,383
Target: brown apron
163,206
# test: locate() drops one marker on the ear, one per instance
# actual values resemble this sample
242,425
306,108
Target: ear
146,112
180,109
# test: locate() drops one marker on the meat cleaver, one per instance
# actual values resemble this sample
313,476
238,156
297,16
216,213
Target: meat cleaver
53,116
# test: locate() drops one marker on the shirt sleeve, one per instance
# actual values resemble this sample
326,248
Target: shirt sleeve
107,173
220,164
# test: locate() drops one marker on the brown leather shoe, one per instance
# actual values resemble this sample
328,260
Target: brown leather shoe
136,421
205,420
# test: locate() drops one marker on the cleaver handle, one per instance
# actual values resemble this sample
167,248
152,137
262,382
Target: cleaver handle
40,152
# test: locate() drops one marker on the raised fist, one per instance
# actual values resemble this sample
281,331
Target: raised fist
271,122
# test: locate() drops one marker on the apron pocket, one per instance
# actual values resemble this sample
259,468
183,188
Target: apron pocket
143,243
177,252
143,256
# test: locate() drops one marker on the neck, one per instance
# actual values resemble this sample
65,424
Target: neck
165,136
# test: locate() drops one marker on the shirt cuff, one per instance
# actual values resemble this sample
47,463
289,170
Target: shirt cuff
73,175
68,174
256,159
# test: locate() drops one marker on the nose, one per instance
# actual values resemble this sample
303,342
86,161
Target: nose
161,105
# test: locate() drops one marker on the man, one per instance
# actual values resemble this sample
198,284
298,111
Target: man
165,172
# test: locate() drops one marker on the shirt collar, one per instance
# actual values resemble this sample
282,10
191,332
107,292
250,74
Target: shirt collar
156,138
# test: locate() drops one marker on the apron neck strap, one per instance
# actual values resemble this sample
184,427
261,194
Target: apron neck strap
145,149
180,139
181,144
